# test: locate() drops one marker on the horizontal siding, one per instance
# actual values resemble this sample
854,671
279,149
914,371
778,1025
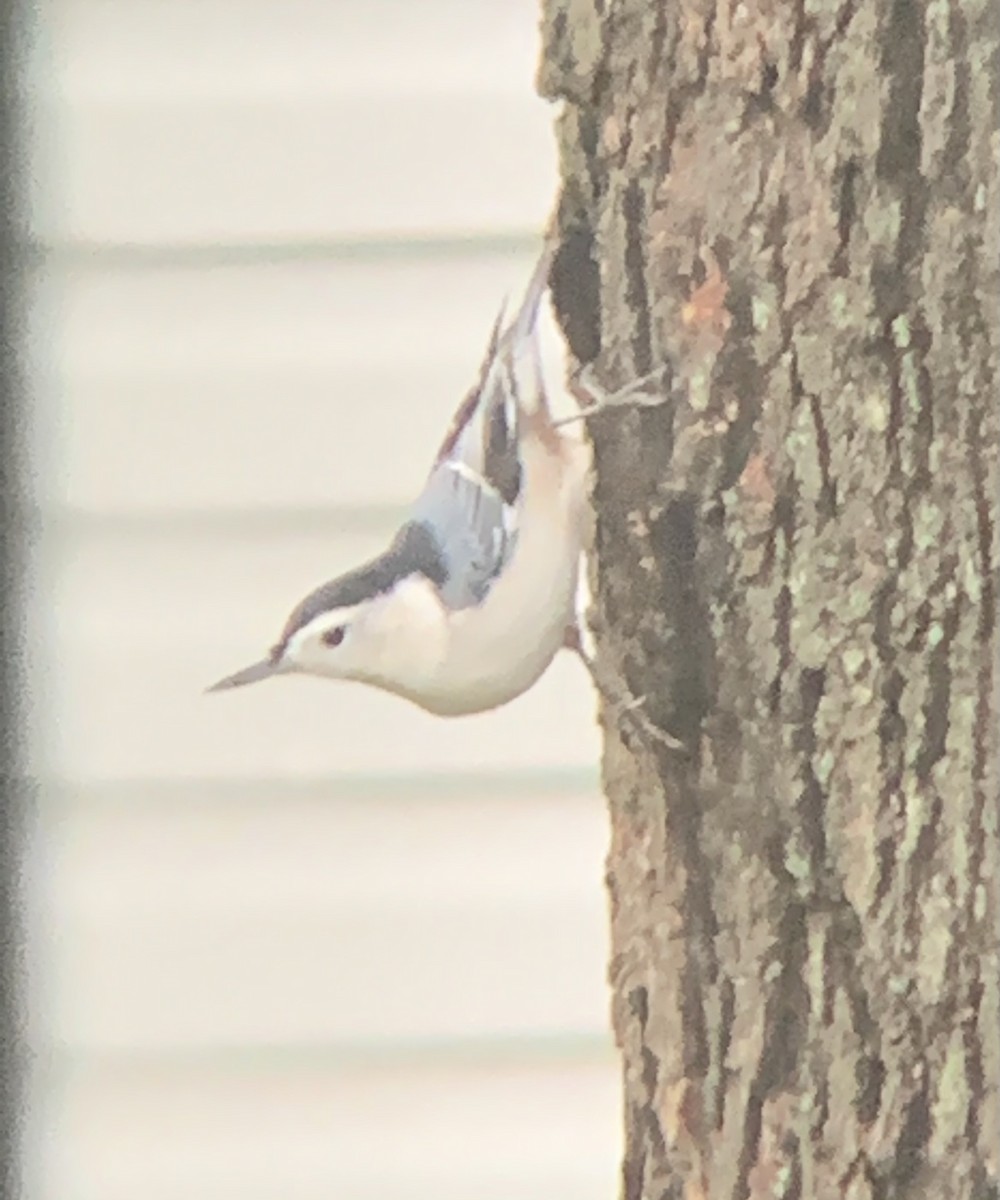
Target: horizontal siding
303,940
180,121
293,917
492,1130
267,386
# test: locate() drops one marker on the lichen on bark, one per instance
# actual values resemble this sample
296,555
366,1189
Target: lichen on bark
787,209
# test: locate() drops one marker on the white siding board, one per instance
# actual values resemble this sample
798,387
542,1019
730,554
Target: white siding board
248,440
166,128
194,924
492,1131
329,314
161,48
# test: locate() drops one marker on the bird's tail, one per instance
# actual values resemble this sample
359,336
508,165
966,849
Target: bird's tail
520,339
510,388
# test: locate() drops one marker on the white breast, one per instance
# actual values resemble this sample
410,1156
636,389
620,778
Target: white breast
497,649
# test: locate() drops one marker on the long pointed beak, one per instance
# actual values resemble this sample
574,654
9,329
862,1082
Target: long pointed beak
264,669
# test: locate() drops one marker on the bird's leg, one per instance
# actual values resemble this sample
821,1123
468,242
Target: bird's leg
609,693
622,705
596,399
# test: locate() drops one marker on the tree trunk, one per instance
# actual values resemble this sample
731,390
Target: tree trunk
790,210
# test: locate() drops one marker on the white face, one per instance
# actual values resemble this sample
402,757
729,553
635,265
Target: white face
395,641
338,644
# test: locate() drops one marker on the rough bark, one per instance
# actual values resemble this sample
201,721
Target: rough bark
791,209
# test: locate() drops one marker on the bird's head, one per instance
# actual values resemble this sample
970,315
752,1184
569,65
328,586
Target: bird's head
380,624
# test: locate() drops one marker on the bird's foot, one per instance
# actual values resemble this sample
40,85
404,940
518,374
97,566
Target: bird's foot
622,707
596,399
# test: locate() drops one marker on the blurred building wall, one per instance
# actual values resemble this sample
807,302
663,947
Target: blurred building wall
302,941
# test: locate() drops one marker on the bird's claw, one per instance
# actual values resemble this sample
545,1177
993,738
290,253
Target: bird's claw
624,707
597,399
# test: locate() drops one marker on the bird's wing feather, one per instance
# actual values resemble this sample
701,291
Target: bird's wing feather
493,405
474,529
470,500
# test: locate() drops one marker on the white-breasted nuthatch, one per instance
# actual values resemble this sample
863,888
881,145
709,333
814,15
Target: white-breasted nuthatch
474,597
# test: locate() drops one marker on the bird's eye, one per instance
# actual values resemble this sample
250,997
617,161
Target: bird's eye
333,637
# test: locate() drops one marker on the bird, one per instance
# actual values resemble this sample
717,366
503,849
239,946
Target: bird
477,592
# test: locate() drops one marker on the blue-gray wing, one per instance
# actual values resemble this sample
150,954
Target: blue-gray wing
473,527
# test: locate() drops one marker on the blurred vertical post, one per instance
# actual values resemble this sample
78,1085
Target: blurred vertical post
12,416
792,209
